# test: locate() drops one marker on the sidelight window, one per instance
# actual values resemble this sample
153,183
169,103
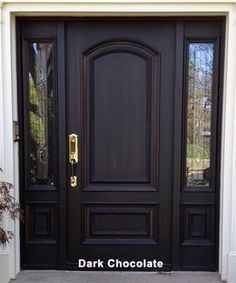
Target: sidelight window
41,113
198,114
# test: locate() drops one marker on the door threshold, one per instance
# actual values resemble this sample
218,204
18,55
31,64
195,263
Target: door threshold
46,276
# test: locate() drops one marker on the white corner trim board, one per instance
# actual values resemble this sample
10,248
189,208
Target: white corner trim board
9,9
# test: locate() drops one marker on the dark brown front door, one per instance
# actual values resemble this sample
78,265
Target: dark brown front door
114,99
142,96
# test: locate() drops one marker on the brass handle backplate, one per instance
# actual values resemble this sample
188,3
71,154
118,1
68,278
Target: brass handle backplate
73,158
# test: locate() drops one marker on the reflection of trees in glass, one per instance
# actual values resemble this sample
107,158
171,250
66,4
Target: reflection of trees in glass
41,111
199,107
37,125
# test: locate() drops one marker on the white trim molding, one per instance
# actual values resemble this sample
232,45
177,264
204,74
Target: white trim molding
9,9
4,251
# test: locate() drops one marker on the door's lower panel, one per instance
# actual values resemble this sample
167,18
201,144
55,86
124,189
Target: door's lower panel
120,224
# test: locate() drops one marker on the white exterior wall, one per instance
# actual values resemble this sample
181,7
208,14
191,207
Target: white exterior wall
4,253
10,257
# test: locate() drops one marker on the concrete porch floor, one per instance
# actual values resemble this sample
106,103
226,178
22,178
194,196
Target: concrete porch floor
115,277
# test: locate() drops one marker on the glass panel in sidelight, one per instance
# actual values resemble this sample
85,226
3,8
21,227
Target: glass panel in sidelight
199,114
41,113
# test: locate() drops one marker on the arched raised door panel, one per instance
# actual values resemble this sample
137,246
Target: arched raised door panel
120,93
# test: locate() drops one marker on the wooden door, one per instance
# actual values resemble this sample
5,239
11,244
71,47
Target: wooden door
142,96
116,74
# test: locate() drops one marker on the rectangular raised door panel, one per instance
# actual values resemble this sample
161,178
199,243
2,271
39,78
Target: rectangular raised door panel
42,227
198,225
121,224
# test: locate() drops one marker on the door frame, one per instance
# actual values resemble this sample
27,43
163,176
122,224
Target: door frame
179,105
9,152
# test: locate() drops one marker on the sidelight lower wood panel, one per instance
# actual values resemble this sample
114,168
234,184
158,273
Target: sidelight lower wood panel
198,225
42,223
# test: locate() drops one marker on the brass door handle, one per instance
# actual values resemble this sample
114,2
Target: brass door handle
73,158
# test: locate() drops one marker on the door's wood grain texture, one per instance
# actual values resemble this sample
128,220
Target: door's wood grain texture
120,94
